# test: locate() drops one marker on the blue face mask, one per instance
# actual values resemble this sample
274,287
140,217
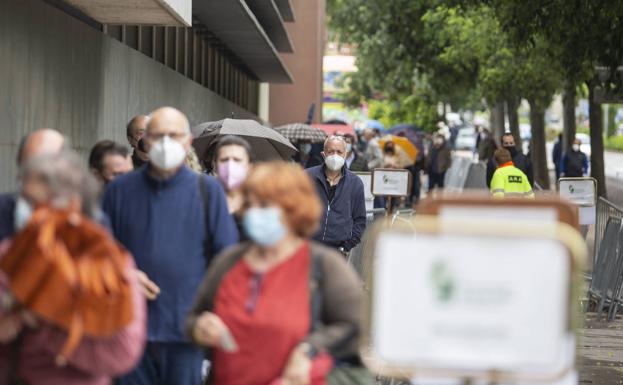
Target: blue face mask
263,225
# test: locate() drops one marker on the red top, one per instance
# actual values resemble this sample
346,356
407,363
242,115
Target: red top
268,315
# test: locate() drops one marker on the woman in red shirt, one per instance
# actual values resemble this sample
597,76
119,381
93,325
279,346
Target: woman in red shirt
259,308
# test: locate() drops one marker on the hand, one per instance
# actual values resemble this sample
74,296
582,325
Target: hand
150,289
298,368
210,330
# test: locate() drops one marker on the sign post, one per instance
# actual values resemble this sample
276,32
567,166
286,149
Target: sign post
391,183
583,193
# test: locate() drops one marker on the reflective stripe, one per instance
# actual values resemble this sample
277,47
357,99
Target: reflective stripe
498,190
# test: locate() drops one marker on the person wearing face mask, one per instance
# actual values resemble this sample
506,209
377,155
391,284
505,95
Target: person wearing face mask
574,163
520,160
308,155
57,184
278,309
14,209
232,163
172,220
135,130
438,161
342,194
355,161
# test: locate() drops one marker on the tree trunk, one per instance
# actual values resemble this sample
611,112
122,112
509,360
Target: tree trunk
512,104
497,121
539,157
568,120
597,141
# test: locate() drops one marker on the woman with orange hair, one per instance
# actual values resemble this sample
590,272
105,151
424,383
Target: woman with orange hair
279,309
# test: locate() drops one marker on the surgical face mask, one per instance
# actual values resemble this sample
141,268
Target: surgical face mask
232,174
334,162
22,214
263,225
349,147
576,147
167,154
306,148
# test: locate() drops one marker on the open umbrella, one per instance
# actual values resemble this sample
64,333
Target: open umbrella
402,142
266,143
299,131
331,129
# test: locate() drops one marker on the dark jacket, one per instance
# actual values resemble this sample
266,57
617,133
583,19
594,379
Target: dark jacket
344,219
574,164
359,164
164,225
557,153
443,161
520,161
7,215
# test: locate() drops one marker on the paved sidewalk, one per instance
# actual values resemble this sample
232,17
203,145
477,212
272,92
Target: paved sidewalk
600,351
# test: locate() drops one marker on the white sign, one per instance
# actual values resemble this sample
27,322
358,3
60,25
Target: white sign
466,305
391,182
366,178
581,191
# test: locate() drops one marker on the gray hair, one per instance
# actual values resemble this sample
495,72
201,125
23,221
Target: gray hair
67,177
331,138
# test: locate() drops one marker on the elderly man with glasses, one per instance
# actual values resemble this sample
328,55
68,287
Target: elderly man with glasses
342,193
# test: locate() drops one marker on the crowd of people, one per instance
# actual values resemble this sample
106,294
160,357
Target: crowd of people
238,277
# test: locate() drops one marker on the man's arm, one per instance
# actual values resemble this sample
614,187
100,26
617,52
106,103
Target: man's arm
563,166
359,215
585,165
221,225
490,171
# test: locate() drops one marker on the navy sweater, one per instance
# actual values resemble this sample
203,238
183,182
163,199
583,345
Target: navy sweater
344,219
162,223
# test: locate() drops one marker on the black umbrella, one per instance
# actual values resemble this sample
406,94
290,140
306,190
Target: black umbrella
266,143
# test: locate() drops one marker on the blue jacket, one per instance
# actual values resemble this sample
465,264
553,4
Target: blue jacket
344,219
7,215
163,224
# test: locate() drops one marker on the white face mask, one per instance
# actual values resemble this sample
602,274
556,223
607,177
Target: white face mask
576,147
167,154
22,214
334,162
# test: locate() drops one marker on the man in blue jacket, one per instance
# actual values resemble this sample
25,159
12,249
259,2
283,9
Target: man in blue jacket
173,221
341,192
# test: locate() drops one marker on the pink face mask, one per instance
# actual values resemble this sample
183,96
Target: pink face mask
232,174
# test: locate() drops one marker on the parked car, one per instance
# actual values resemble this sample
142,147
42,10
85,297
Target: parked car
466,139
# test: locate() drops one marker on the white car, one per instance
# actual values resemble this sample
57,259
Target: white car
466,139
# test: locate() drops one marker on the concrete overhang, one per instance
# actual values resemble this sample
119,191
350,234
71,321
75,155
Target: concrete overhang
149,12
270,18
285,8
233,23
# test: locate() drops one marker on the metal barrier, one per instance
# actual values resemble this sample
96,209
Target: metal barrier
606,286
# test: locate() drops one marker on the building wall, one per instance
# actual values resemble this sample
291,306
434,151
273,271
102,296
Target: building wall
58,72
290,103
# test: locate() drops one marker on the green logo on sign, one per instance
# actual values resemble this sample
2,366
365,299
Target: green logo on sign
443,282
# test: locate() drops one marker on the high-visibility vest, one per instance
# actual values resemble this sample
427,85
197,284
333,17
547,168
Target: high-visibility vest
509,181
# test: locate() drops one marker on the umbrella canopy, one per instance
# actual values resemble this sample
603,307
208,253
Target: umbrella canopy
331,129
266,143
374,124
299,131
402,142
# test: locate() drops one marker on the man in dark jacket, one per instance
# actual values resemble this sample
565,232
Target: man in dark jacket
520,161
557,155
574,163
355,161
438,161
341,192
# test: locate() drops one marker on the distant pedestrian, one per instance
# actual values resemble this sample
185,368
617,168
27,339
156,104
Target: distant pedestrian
135,131
355,161
438,162
279,309
108,160
557,155
173,221
373,153
508,180
574,163
308,156
62,190
485,145
14,208
520,160
342,194
233,158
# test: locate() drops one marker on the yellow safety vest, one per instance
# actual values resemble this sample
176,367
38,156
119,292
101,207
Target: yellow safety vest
509,181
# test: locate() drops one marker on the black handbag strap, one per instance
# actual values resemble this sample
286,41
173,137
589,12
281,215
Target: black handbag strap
205,198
